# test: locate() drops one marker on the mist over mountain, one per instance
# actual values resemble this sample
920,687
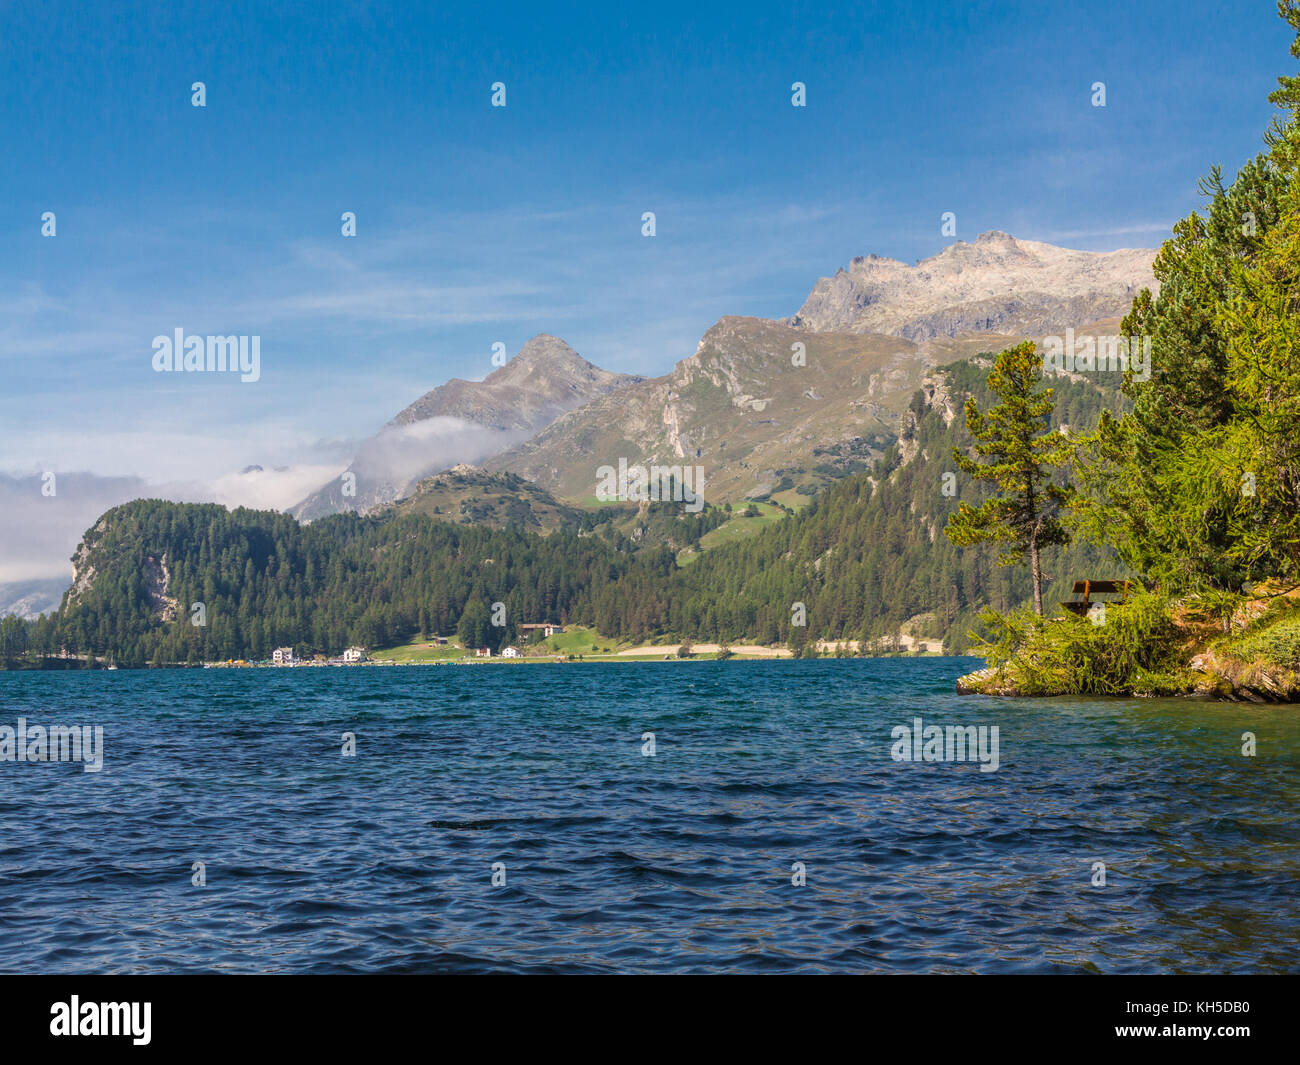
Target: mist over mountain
42,516
30,599
465,422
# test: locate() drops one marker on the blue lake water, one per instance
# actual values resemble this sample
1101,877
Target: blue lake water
619,862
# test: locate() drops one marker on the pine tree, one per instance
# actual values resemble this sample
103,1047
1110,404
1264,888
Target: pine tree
1164,483
1259,454
1023,450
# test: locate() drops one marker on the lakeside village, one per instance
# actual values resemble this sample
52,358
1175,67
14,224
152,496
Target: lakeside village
285,657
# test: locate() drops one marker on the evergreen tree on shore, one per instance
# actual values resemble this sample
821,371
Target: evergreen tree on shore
1194,486
1015,435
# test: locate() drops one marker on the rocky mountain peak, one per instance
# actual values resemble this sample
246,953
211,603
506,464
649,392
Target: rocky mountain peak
467,421
546,351
998,284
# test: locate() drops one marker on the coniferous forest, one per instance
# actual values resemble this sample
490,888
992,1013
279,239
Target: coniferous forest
863,558
1187,481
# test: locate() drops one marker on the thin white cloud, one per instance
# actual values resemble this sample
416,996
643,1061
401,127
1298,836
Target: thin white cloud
1162,228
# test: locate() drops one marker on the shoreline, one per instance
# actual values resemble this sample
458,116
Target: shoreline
626,656
633,655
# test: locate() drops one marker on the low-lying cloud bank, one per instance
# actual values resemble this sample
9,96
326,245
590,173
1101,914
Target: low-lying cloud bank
44,516
388,465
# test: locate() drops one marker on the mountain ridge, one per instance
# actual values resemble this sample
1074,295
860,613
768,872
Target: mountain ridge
782,407
464,422
999,284
544,379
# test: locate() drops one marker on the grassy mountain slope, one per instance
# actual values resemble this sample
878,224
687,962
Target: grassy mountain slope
471,496
868,554
741,407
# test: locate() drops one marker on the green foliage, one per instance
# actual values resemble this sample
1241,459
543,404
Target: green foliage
13,638
1022,451
266,581
865,555
1260,445
1199,484
1272,642
1211,606
1136,649
1287,94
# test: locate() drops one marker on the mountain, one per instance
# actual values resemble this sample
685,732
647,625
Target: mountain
867,558
464,422
858,420
764,419
767,408
739,408
544,380
30,599
267,581
999,284
468,495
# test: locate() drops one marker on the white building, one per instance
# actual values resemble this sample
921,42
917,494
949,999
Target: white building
482,652
510,652
283,656
354,654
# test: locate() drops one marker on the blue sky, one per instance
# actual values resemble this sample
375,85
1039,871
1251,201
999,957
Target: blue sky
480,224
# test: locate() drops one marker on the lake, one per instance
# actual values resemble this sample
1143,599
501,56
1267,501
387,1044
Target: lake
511,818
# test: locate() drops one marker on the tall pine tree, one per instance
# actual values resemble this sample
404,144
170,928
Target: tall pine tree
1022,452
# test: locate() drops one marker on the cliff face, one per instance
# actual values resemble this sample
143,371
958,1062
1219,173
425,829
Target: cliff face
107,547
84,567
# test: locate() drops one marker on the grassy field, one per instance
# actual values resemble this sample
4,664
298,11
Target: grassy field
591,645
736,528
793,498
418,652
578,643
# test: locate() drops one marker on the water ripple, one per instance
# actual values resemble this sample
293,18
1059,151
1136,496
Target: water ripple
617,862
